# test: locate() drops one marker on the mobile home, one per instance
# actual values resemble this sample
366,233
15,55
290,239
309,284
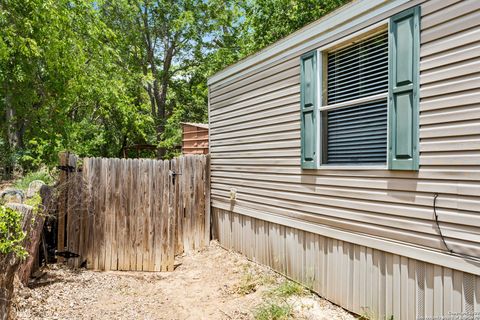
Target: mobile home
347,156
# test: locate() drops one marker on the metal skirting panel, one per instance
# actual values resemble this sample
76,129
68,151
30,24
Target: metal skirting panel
366,281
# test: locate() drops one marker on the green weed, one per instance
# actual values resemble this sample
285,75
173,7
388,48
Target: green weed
273,311
42,175
287,289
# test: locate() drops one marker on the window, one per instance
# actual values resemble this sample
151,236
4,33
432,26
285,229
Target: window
359,99
354,111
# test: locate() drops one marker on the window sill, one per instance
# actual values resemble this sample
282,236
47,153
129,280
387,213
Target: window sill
352,167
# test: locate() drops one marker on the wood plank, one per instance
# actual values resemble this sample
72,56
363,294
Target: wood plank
149,217
115,205
158,174
143,217
138,217
172,215
164,216
101,215
119,220
133,193
109,211
180,181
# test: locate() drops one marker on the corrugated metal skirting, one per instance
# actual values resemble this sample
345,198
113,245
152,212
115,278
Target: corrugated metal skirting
366,281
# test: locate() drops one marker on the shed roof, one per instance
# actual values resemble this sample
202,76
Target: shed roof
200,125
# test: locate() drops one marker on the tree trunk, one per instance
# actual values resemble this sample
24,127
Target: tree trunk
32,241
8,267
14,130
9,264
162,97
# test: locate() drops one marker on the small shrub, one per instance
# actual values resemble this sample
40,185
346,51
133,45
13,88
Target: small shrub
247,285
287,289
11,233
252,280
273,311
42,175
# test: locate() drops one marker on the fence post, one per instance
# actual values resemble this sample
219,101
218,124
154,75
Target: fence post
62,201
207,201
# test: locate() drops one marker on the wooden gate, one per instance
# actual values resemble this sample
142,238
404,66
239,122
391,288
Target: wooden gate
133,214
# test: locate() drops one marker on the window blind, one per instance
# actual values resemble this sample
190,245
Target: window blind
357,134
359,70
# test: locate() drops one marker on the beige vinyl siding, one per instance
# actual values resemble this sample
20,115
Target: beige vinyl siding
255,144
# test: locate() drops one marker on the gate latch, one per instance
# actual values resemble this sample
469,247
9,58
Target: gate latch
173,173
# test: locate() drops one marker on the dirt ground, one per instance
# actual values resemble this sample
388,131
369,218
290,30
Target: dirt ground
211,284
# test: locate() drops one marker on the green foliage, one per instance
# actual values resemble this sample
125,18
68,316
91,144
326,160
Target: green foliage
251,280
287,289
270,20
35,202
11,233
42,174
273,311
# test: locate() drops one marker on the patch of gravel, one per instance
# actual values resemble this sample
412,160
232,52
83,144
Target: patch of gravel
205,285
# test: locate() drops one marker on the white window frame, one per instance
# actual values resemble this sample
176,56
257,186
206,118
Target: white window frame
321,57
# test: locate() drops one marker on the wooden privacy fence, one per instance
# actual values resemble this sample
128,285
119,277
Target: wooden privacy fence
133,214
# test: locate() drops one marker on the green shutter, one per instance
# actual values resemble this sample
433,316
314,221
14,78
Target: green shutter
403,110
308,105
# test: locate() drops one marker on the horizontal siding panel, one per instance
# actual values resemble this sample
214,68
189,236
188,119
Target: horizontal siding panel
268,97
460,113
291,152
466,173
267,129
451,85
450,187
451,71
450,100
450,130
468,204
277,78
450,144
289,135
396,203
253,76
258,146
466,233
451,56
455,11
429,7
253,109
259,92
461,23
259,161
255,124
291,110
466,158
455,40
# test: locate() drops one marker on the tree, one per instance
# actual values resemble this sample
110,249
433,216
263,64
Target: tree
270,20
166,41
61,86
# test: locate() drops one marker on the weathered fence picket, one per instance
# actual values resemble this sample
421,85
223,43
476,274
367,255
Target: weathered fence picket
133,214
